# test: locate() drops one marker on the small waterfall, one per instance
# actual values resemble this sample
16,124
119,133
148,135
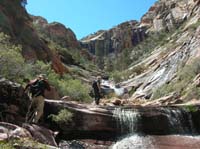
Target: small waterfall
180,121
127,119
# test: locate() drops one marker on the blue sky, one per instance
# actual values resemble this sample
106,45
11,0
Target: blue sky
88,16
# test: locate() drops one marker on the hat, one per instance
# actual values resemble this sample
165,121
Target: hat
44,76
98,77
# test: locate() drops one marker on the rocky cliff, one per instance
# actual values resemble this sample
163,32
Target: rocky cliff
125,35
17,23
57,32
176,25
163,16
181,20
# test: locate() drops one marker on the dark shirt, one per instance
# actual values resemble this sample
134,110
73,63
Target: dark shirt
95,86
38,87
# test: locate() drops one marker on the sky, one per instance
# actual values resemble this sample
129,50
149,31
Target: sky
85,17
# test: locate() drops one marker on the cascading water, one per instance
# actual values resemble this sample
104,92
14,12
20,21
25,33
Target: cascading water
127,120
132,123
135,142
180,121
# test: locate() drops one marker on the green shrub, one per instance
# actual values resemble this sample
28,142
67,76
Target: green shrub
6,145
117,76
64,116
11,61
194,26
137,70
13,67
192,93
75,89
191,108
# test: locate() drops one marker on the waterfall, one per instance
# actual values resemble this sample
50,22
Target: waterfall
139,124
127,119
180,121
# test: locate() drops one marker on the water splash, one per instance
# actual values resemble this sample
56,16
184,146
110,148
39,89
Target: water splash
127,119
135,142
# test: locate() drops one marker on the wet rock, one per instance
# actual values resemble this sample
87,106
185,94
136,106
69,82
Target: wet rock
99,123
88,121
41,134
8,131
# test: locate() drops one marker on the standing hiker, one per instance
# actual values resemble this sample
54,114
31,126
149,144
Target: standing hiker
37,88
96,85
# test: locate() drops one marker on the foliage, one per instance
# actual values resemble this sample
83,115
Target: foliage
12,63
137,70
191,108
117,76
192,93
194,26
13,67
75,89
64,116
6,145
66,85
14,143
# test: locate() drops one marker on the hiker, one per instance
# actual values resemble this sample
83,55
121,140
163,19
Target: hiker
37,88
96,85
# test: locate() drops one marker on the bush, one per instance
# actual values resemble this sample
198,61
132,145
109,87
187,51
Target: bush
65,85
75,89
6,145
64,116
13,67
117,76
12,63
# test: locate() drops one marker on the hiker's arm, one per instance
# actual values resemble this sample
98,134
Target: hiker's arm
27,86
99,86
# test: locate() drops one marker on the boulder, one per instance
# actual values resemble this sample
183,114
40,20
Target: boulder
41,134
8,131
52,94
13,102
110,122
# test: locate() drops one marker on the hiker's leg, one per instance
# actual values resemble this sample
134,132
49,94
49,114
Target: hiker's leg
39,108
31,109
97,99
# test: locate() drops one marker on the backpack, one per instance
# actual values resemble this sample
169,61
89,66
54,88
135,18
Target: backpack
34,88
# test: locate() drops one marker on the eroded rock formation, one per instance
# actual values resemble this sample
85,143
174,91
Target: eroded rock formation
57,32
125,35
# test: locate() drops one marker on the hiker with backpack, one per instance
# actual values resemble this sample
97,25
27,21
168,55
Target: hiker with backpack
37,88
96,85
